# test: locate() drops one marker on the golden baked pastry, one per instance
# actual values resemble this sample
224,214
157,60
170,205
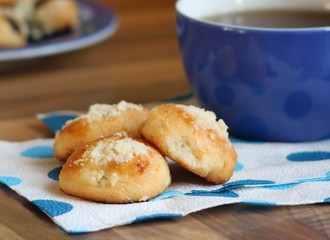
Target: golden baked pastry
116,169
101,120
53,16
193,138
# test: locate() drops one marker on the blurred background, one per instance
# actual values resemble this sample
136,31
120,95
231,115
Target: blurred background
139,63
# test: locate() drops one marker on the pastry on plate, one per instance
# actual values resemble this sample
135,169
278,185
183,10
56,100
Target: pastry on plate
32,20
52,16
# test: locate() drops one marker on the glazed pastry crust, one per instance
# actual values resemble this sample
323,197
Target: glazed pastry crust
192,138
103,171
126,117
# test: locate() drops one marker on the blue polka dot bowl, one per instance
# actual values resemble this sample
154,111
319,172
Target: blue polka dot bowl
268,84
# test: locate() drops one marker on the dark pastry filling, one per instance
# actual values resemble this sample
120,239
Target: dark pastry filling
13,24
40,3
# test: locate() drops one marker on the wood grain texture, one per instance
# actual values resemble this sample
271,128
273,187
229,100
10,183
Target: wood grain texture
140,63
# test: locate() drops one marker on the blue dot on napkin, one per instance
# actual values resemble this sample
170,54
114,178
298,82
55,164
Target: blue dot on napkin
327,175
259,202
55,122
215,193
239,167
10,181
52,207
156,216
53,174
308,156
167,194
244,182
38,152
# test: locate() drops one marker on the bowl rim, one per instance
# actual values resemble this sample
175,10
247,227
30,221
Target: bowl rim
242,29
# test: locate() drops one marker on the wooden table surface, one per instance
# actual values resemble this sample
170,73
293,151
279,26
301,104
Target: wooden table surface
140,63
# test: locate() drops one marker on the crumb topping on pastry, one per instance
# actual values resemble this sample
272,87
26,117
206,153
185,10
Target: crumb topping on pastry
97,111
206,120
120,151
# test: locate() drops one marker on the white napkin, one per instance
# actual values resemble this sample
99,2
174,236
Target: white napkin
266,174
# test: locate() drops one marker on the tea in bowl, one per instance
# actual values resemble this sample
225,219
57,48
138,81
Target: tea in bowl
261,66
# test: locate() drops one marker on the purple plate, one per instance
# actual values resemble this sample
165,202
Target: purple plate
97,23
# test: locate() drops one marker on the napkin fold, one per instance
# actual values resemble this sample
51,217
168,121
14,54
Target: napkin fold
266,174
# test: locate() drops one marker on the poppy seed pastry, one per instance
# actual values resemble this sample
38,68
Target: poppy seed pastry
193,138
116,169
53,16
25,21
11,35
100,121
